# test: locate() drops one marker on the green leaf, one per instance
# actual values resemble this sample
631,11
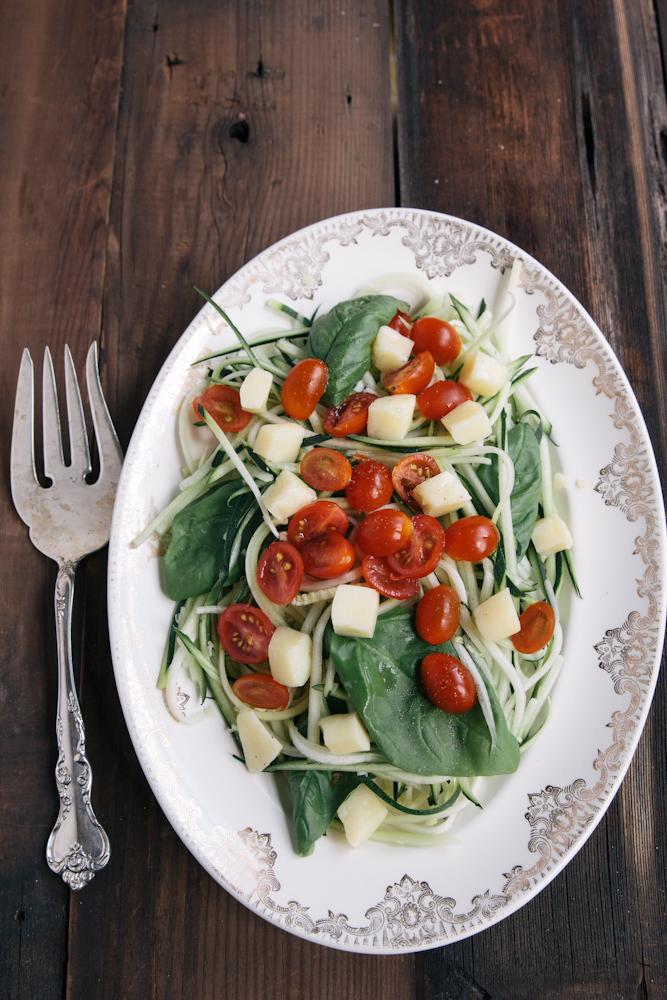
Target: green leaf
525,453
315,801
343,337
381,675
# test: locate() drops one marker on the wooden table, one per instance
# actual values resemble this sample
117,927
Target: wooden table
149,146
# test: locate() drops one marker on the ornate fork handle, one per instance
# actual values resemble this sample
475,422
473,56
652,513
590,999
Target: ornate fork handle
78,846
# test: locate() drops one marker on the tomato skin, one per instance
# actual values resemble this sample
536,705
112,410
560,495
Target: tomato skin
370,486
438,615
383,532
471,539
448,683
328,555
438,337
414,376
379,575
245,633
402,323
350,416
538,623
410,472
421,554
316,519
304,387
280,572
261,691
223,404
439,399
325,469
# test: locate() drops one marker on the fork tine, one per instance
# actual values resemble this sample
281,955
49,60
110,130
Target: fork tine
111,456
53,445
78,439
23,476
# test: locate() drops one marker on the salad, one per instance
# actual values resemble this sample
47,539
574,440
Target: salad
366,559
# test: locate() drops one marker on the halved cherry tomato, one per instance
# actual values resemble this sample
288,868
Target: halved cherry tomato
261,691
304,387
438,615
328,555
538,622
370,486
223,404
316,519
350,416
438,337
410,472
325,469
448,683
383,532
280,572
245,633
441,398
471,539
402,323
421,553
378,574
412,377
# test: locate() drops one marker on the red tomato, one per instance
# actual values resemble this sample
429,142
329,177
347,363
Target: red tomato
538,622
280,572
378,574
304,387
421,554
383,532
410,472
325,469
316,519
370,486
438,337
261,691
449,685
328,555
441,398
413,376
350,416
438,615
471,539
245,633
402,323
224,405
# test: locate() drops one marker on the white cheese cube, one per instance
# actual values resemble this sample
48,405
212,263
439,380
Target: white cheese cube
354,611
290,656
345,733
361,814
551,535
390,350
482,374
255,390
279,442
497,618
441,494
467,422
260,747
390,417
287,495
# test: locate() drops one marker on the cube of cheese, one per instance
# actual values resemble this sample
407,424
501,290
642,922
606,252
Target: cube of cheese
279,442
482,374
260,747
441,494
390,350
497,617
390,417
354,611
287,495
255,390
467,422
361,814
290,656
345,733
551,535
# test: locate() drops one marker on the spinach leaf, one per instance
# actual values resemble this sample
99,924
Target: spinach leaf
381,675
315,801
524,451
343,338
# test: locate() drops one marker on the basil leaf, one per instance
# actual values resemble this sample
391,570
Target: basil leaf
381,676
315,801
524,451
343,337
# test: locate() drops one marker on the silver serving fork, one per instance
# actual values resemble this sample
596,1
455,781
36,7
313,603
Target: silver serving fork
67,521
